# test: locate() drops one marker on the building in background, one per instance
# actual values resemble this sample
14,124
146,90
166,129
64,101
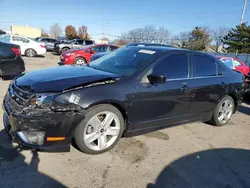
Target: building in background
25,31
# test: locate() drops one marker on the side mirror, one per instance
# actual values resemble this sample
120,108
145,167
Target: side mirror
157,79
91,51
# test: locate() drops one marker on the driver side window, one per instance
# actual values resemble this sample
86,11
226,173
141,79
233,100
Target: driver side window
174,66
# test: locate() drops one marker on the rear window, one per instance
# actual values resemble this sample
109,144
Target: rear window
5,38
88,42
228,62
204,66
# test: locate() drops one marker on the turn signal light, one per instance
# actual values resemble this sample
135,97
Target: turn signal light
55,138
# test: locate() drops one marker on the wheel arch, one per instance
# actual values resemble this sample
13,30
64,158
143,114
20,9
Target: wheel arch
235,101
119,106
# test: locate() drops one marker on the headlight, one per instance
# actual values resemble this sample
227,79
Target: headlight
69,54
41,99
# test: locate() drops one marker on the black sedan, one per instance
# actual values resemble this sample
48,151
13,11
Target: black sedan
11,62
128,92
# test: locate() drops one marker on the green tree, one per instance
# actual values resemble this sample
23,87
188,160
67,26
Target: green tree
238,39
70,32
199,39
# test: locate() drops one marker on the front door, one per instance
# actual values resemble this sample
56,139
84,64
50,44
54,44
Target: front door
165,103
78,43
207,85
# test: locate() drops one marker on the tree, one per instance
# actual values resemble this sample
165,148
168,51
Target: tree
121,41
217,35
83,32
105,39
182,39
55,30
146,34
44,33
199,39
238,39
70,32
162,35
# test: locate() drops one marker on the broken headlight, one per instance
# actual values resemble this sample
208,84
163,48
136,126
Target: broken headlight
41,99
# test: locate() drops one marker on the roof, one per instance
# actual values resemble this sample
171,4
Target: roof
159,48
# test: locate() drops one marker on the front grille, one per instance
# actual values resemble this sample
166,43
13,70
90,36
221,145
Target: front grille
19,94
11,104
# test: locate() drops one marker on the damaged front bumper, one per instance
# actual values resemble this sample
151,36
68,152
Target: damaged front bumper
46,129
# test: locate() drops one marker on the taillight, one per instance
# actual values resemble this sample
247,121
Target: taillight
17,51
42,46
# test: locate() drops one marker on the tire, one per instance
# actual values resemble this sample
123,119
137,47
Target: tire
80,61
228,110
90,137
30,52
64,50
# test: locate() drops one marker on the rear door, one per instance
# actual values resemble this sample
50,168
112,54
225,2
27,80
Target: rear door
207,84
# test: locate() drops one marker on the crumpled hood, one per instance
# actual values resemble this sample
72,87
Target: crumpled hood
61,78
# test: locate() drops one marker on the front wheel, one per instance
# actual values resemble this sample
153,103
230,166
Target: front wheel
80,61
223,112
101,129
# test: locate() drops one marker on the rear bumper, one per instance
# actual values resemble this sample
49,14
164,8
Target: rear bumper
12,67
41,51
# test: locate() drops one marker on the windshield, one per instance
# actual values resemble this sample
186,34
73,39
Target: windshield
228,62
125,61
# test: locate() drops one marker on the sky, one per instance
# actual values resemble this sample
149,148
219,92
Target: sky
115,17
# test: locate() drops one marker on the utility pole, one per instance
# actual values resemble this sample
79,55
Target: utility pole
243,12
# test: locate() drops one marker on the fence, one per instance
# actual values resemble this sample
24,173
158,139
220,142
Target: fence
243,57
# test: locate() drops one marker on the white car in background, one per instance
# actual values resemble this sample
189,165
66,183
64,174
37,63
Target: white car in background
29,47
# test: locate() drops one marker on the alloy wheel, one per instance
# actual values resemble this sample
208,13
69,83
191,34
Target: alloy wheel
101,131
30,53
225,111
80,62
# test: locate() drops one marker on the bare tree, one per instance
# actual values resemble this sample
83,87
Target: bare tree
182,39
162,35
217,35
55,30
83,32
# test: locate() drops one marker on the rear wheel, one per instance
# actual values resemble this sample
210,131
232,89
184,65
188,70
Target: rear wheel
30,52
100,130
80,61
223,112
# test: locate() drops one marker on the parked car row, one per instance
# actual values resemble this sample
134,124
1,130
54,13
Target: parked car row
238,65
132,90
29,47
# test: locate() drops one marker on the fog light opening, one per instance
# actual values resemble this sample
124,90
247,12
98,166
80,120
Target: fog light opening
34,137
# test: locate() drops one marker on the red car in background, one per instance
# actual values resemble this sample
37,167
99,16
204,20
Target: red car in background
82,55
235,63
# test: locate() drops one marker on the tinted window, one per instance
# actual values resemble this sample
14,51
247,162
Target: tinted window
236,63
80,42
228,62
88,42
44,40
112,48
20,39
5,38
100,49
173,67
203,66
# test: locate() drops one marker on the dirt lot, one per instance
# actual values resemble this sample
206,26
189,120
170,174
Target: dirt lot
191,155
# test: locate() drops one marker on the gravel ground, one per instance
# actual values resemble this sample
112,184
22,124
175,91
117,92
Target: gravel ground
190,155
